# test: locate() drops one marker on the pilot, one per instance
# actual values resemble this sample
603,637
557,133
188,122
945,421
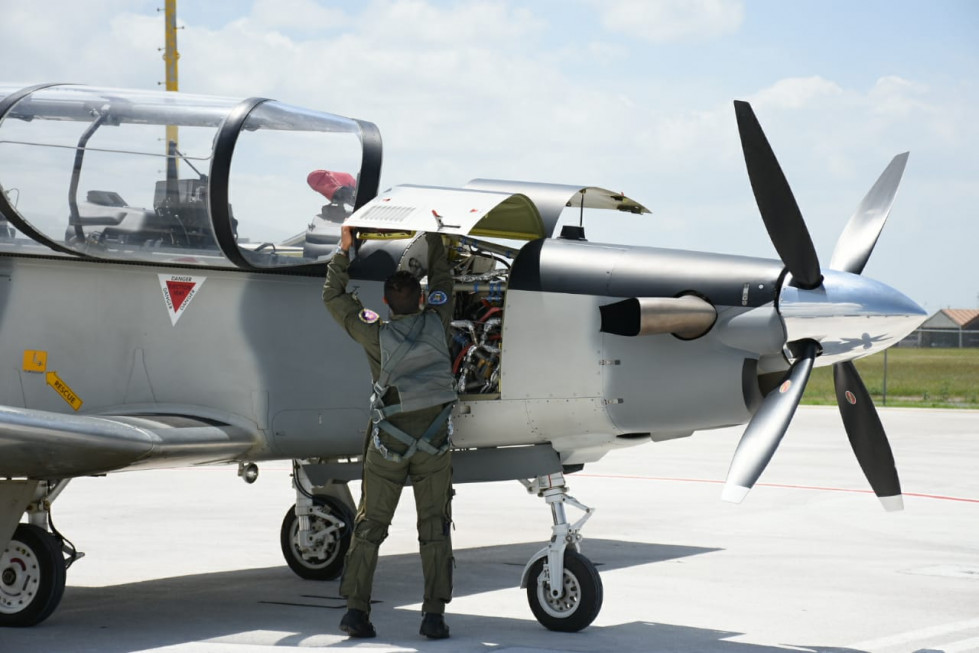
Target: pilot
408,436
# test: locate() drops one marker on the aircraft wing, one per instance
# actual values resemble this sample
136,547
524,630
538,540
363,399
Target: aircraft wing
42,444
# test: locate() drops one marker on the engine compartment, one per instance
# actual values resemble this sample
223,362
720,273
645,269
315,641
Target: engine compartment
481,272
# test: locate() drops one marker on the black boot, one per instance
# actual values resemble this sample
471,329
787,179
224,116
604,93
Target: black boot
356,624
433,626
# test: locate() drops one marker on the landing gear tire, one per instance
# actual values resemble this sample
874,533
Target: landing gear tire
580,599
325,562
32,577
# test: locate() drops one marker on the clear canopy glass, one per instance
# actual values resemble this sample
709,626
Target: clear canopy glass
173,178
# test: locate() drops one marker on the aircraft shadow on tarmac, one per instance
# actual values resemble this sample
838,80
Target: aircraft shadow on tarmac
273,607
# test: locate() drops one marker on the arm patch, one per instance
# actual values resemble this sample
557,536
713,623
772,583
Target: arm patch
437,298
367,316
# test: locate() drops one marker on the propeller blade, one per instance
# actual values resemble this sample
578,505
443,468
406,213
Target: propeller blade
866,435
766,428
777,205
860,234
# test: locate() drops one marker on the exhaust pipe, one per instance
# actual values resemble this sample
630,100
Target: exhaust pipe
686,317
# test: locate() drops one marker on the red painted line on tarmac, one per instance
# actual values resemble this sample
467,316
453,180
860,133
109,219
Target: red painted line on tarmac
939,497
777,485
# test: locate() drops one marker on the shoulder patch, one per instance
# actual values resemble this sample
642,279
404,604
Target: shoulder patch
367,316
437,298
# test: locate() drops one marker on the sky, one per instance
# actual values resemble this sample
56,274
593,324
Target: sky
630,95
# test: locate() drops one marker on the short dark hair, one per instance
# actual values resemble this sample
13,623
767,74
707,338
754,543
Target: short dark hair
402,292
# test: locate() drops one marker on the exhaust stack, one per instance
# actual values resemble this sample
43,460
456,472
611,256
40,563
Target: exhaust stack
686,317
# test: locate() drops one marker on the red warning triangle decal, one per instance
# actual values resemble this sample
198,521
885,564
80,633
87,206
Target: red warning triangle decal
178,291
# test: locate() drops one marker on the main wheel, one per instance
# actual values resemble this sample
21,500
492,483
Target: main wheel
325,562
32,577
580,599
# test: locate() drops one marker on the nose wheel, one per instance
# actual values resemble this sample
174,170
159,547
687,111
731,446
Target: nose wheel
577,599
32,577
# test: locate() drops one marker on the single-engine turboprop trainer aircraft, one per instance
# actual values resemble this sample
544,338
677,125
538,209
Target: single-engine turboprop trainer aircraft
160,306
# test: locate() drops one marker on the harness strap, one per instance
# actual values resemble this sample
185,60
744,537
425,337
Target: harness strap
392,363
379,411
424,443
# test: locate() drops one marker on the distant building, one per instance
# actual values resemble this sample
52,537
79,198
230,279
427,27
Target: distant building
949,327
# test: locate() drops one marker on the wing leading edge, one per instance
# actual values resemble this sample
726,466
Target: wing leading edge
47,445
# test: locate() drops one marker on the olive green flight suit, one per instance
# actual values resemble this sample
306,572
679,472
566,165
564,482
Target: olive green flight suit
383,480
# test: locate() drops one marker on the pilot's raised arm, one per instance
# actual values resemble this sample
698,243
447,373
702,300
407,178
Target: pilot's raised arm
440,281
360,323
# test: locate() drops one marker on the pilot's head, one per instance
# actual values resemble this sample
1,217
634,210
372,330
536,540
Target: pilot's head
402,293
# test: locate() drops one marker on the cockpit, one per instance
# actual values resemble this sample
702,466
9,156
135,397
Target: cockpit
178,179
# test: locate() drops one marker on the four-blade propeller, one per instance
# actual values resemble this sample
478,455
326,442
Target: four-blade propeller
787,229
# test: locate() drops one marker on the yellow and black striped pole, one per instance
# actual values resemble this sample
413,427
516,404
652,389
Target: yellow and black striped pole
170,57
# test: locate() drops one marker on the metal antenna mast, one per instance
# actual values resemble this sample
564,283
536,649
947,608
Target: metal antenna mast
170,57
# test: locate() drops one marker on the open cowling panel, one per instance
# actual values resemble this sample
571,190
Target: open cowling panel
486,224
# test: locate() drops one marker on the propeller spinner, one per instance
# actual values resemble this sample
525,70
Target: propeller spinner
823,302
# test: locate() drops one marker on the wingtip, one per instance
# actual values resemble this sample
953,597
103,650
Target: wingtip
734,493
892,504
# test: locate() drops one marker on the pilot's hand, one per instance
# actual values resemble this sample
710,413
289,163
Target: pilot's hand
346,238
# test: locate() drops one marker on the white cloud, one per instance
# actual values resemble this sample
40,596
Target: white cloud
299,15
443,83
71,42
468,24
796,93
671,21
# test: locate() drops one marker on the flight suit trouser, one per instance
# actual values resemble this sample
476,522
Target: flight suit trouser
383,480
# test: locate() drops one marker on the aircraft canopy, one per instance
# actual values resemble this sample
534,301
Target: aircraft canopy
176,178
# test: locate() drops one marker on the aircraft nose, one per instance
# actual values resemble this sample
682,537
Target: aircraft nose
851,316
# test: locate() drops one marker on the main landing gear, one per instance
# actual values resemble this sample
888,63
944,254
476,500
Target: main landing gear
563,587
33,565
316,532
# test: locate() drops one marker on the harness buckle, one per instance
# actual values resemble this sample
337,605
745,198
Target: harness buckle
384,451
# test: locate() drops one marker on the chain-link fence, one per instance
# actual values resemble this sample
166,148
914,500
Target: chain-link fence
946,338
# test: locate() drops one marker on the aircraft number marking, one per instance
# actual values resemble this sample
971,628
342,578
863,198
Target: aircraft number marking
63,389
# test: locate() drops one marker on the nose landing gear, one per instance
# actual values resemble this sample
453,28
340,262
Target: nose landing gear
563,587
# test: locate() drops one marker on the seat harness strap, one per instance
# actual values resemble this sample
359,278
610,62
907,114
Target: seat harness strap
379,412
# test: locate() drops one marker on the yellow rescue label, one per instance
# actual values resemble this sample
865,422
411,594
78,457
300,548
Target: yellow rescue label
62,389
35,361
